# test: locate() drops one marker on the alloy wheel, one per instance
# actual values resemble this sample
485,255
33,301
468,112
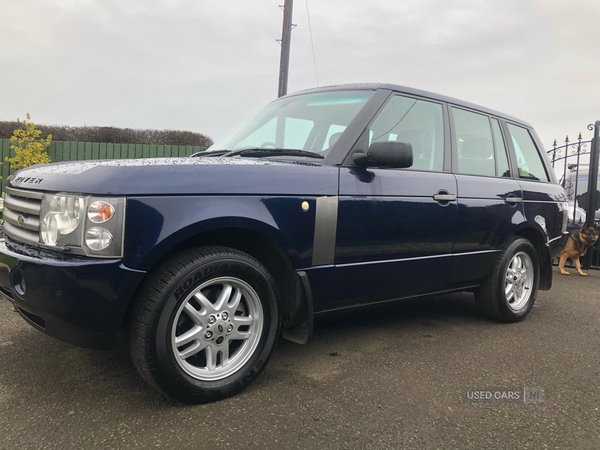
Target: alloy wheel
519,281
217,328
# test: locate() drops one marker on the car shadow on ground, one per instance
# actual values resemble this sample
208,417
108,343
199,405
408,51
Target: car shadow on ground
35,364
459,306
401,324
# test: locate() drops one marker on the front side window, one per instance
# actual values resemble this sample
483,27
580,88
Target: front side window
308,122
418,122
528,158
474,143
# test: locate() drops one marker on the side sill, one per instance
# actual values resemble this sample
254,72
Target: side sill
399,299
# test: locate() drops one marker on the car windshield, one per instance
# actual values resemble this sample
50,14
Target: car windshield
310,122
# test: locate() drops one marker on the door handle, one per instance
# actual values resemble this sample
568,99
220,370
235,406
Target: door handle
444,197
513,199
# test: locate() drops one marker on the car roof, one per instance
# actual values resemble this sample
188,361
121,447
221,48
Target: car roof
411,91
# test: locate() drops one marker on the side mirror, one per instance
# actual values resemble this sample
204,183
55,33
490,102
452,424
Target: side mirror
386,154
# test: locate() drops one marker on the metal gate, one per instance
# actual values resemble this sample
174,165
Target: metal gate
576,164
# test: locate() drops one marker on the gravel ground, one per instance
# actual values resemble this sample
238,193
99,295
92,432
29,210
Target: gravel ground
391,377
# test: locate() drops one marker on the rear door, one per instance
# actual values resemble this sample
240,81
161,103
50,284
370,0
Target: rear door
394,238
489,199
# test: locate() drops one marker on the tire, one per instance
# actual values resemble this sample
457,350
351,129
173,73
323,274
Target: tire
247,325
492,298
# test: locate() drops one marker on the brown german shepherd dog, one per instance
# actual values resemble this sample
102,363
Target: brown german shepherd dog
577,244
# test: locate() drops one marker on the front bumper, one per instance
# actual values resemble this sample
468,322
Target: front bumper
78,300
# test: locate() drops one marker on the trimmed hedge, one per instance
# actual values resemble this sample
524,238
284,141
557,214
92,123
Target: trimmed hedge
113,134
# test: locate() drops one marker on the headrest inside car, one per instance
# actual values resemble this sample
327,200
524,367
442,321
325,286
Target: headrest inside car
477,148
333,139
420,140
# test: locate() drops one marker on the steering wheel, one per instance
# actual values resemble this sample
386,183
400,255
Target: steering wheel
268,144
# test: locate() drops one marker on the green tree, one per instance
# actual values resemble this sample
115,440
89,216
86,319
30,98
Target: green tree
29,148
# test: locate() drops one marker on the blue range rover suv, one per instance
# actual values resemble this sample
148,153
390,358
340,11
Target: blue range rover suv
326,199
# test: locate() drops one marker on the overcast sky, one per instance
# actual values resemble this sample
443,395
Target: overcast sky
207,65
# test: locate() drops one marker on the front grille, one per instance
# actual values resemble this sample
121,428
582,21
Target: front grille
22,215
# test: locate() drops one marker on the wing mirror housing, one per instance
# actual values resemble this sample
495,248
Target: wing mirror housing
398,155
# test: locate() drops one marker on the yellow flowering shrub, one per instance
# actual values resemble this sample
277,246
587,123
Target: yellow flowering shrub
29,148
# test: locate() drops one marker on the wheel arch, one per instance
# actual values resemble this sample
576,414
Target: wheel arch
258,240
537,237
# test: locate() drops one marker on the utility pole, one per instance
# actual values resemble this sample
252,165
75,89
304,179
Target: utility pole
593,175
286,40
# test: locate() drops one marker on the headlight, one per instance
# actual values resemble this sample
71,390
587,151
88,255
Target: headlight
98,238
51,229
86,225
61,216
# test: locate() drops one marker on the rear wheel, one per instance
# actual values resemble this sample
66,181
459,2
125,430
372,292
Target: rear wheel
205,324
509,292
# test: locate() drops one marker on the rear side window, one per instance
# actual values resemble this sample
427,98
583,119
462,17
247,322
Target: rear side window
528,158
474,143
502,169
418,122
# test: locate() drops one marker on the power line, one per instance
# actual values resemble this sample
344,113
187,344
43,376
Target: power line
312,42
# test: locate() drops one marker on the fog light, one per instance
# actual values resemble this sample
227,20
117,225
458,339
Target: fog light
98,239
18,282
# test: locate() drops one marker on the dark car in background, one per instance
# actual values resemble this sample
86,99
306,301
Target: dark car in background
327,199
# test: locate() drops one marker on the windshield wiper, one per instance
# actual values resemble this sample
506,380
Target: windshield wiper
203,153
265,152
259,152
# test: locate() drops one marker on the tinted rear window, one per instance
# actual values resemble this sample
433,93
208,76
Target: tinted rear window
529,159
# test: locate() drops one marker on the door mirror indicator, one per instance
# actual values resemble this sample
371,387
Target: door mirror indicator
385,154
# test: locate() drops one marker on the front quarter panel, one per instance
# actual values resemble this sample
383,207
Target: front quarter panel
155,225
229,199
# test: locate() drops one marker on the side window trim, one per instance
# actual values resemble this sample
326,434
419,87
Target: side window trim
362,121
503,136
448,139
494,146
358,146
512,154
453,145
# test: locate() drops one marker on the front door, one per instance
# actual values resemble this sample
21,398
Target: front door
395,227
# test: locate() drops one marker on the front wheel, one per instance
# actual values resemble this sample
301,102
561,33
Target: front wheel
509,292
205,324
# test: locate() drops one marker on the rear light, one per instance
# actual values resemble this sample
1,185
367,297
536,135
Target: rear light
564,206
